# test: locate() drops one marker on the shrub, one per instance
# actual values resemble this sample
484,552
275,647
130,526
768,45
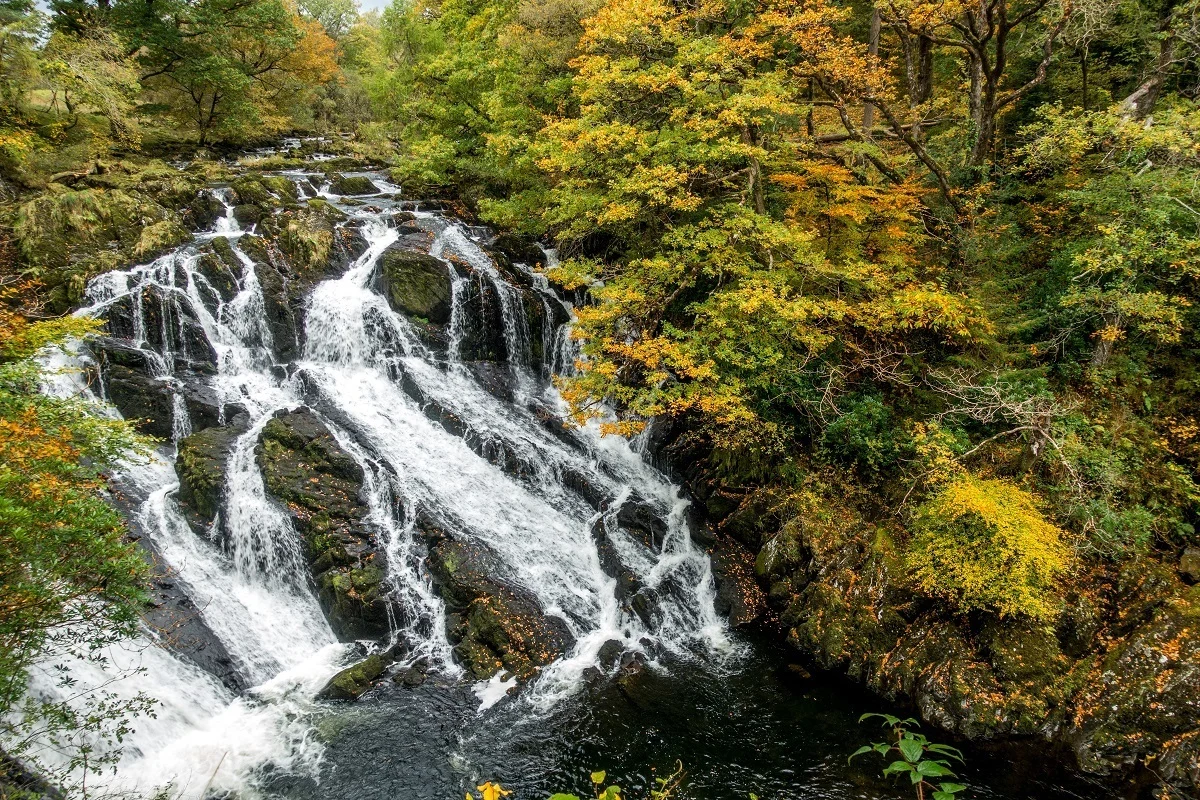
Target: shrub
983,544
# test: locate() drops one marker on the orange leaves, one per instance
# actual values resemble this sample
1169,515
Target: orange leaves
314,58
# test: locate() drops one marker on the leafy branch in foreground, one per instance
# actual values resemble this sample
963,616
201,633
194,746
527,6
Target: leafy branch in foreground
920,758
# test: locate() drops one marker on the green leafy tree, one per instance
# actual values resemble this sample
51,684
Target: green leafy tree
70,583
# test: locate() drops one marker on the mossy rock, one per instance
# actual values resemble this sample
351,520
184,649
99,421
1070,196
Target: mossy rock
159,238
282,187
248,214
498,626
320,484
352,682
57,229
201,464
416,284
1142,699
353,185
252,190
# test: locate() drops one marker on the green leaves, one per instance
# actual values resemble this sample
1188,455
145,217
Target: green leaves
915,762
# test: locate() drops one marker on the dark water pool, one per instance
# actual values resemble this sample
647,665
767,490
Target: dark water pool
758,729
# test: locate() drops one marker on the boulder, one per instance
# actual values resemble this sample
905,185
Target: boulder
416,284
739,596
1189,565
248,214
202,461
1141,699
639,517
146,402
320,484
250,189
352,682
219,274
520,249
495,625
203,211
352,185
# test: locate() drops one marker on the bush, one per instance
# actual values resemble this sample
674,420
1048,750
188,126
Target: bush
983,544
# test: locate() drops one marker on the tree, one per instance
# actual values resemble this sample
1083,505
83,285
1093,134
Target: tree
336,17
69,581
92,71
226,67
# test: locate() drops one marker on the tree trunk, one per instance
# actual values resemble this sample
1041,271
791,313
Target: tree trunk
873,50
1083,76
1106,339
750,137
924,83
1141,102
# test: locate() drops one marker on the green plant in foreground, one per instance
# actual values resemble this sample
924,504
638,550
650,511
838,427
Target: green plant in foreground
919,758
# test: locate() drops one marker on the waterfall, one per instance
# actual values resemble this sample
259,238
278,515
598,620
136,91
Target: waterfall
501,481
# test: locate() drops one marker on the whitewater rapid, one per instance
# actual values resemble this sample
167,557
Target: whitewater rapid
246,575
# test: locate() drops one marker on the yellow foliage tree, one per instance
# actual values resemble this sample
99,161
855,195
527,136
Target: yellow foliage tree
983,544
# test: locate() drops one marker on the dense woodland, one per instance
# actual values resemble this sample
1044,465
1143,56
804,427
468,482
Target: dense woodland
913,287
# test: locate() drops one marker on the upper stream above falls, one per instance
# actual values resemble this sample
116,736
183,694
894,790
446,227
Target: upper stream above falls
364,458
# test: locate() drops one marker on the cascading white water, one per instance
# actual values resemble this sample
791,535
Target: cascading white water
246,576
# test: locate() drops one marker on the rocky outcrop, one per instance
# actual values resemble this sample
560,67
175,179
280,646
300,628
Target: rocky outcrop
352,682
320,484
201,464
297,249
167,325
493,624
416,284
352,185
128,381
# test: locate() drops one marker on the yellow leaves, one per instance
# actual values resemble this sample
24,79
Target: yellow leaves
490,791
983,544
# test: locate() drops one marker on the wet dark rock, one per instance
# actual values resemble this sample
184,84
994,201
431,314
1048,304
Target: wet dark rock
1189,565
19,782
353,185
320,484
177,622
556,425
497,625
610,654
352,682
201,465
416,284
167,324
142,400
413,676
521,249
248,214
483,319
582,483
610,562
203,212
739,596
496,379
128,375
1142,700
640,518
283,318
218,277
